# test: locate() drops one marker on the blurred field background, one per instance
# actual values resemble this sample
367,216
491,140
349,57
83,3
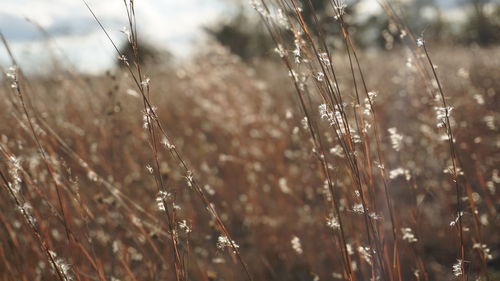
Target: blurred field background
276,140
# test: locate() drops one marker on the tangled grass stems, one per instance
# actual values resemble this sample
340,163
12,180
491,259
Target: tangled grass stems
332,172
144,90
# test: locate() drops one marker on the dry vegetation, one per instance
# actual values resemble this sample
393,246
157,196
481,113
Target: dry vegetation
209,170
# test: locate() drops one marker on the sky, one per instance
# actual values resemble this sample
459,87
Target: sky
77,39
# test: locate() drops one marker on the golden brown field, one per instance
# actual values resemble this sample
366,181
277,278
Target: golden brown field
209,170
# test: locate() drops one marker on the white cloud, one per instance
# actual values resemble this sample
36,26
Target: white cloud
174,24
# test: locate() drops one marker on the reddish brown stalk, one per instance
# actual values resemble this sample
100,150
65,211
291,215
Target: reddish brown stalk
74,239
454,171
346,260
174,152
34,229
41,150
396,264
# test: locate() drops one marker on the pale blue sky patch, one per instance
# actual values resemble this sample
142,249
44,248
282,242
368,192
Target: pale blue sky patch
171,24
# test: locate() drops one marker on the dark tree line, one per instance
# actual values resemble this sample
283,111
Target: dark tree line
245,36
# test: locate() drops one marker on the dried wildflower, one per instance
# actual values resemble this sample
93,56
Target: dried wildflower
161,205
337,275
325,59
116,246
12,74
14,168
136,221
337,150
490,122
335,119
305,123
320,76
445,137
324,112
365,254
292,73
27,211
374,216
189,178
358,209
183,225
396,139
91,175
455,171
123,59
61,266
367,127
420,42
332,222
356,192
134,254
257,5
442,113
224,242
302,81
409,63
296,52
280,51
281,18
166,143
326,191
495,177
408,235
379,165
399,172
340,8
455,221
372,95
283,185
209,189
368,103
479,99
148,116
160,198
145,82
132,93
457,268
296,245
484,249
